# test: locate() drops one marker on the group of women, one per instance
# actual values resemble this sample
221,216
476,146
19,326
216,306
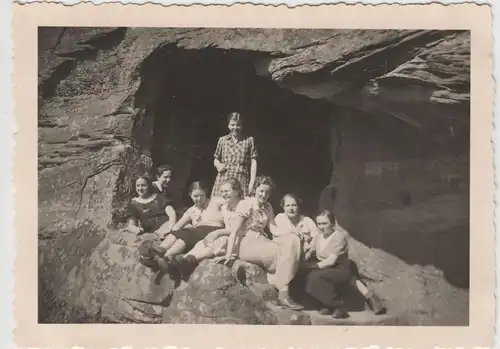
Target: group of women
233,222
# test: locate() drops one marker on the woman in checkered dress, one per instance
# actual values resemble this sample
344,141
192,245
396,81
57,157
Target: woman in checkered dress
235,157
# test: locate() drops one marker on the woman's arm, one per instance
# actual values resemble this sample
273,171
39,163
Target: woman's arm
278,224
217,156
218,165
185,219
214,235
330,261
253,174
172,216
236,226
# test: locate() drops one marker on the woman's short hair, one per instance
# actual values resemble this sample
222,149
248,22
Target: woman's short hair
292,196
148,180
197,185
235,116
264,180
329,215
235,185
163,168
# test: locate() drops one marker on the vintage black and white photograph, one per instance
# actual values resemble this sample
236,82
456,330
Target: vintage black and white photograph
253,176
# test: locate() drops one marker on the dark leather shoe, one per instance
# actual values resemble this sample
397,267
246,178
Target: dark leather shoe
375,304
286,301
187,264
340,313
148,262
325,311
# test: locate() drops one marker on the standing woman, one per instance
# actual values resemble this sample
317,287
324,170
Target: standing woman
235,157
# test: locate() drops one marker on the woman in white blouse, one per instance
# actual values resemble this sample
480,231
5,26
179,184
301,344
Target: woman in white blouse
291,220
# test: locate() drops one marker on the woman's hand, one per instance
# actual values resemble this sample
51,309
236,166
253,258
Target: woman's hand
226,260
308,254
163,234
221,167
299,234
139,231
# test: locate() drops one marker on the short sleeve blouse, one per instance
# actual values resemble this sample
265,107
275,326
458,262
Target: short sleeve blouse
256,217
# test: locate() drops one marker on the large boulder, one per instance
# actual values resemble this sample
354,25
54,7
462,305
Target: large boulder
119,288
78,202
216,294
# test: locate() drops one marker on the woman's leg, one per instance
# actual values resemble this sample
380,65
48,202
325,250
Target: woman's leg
168,242
163,229
287,261
186,239
374,302
177,248
260,251
200,251
279,259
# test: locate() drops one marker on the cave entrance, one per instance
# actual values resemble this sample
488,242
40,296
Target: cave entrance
200,87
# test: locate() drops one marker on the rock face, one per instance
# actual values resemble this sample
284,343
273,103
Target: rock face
214,296
108,109
117,287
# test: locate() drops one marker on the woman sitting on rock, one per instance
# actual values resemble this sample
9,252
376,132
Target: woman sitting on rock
248,241
337,273
330,270
292,221
215,243
204,216
149,212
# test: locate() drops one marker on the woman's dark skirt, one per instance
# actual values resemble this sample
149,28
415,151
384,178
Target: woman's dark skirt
324,285
191,236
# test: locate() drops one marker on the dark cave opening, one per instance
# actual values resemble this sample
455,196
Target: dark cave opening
199,88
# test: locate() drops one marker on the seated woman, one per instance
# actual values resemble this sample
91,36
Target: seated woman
291,220
248,241
355,279
330,270
215,243
149,212
205,216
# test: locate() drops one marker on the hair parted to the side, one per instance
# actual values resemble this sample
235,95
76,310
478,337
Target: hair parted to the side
162,168
235,185
148,180
197,185
327,213
263,180
235,116
292,196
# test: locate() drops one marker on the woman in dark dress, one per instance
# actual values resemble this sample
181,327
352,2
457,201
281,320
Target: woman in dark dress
149,212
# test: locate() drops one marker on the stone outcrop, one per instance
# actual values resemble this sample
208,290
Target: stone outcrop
213,295
99,90
117,287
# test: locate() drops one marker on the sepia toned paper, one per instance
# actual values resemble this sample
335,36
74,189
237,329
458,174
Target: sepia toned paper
476,18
